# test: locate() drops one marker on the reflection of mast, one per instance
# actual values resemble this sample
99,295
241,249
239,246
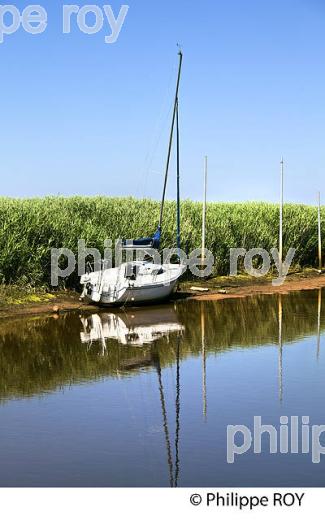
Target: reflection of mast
204,380
280,347
177,407
173,478
318,320
165,422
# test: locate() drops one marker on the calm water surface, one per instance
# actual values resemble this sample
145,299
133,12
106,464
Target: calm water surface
144,397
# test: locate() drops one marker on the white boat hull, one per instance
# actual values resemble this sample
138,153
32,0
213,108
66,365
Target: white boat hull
112,287
142,294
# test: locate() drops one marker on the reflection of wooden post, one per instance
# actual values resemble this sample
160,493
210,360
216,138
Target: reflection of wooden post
204,208
177,408
204,381
318,320
319,236
280,348
281,221
101,334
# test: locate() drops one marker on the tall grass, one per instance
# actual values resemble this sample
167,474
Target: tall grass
29,228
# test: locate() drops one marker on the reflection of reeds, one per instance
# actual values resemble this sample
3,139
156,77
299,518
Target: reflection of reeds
251,321
31,227
39,355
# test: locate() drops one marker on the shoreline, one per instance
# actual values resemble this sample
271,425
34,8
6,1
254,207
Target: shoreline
219,288
294,283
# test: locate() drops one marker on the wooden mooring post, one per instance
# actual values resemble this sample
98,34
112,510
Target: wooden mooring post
320,266
281,220
204,208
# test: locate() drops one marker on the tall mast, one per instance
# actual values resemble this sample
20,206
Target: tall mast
178,216
180,54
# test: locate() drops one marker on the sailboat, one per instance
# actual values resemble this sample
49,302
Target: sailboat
141,281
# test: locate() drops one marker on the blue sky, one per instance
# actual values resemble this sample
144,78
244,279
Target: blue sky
79,116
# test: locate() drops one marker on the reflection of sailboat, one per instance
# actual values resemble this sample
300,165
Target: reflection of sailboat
139,327
142,327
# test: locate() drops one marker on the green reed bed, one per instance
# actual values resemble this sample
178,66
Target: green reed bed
29,228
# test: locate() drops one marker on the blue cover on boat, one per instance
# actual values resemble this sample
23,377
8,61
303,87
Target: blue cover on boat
153,241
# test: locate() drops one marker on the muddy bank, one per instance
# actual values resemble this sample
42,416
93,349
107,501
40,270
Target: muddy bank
48,303
243,286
